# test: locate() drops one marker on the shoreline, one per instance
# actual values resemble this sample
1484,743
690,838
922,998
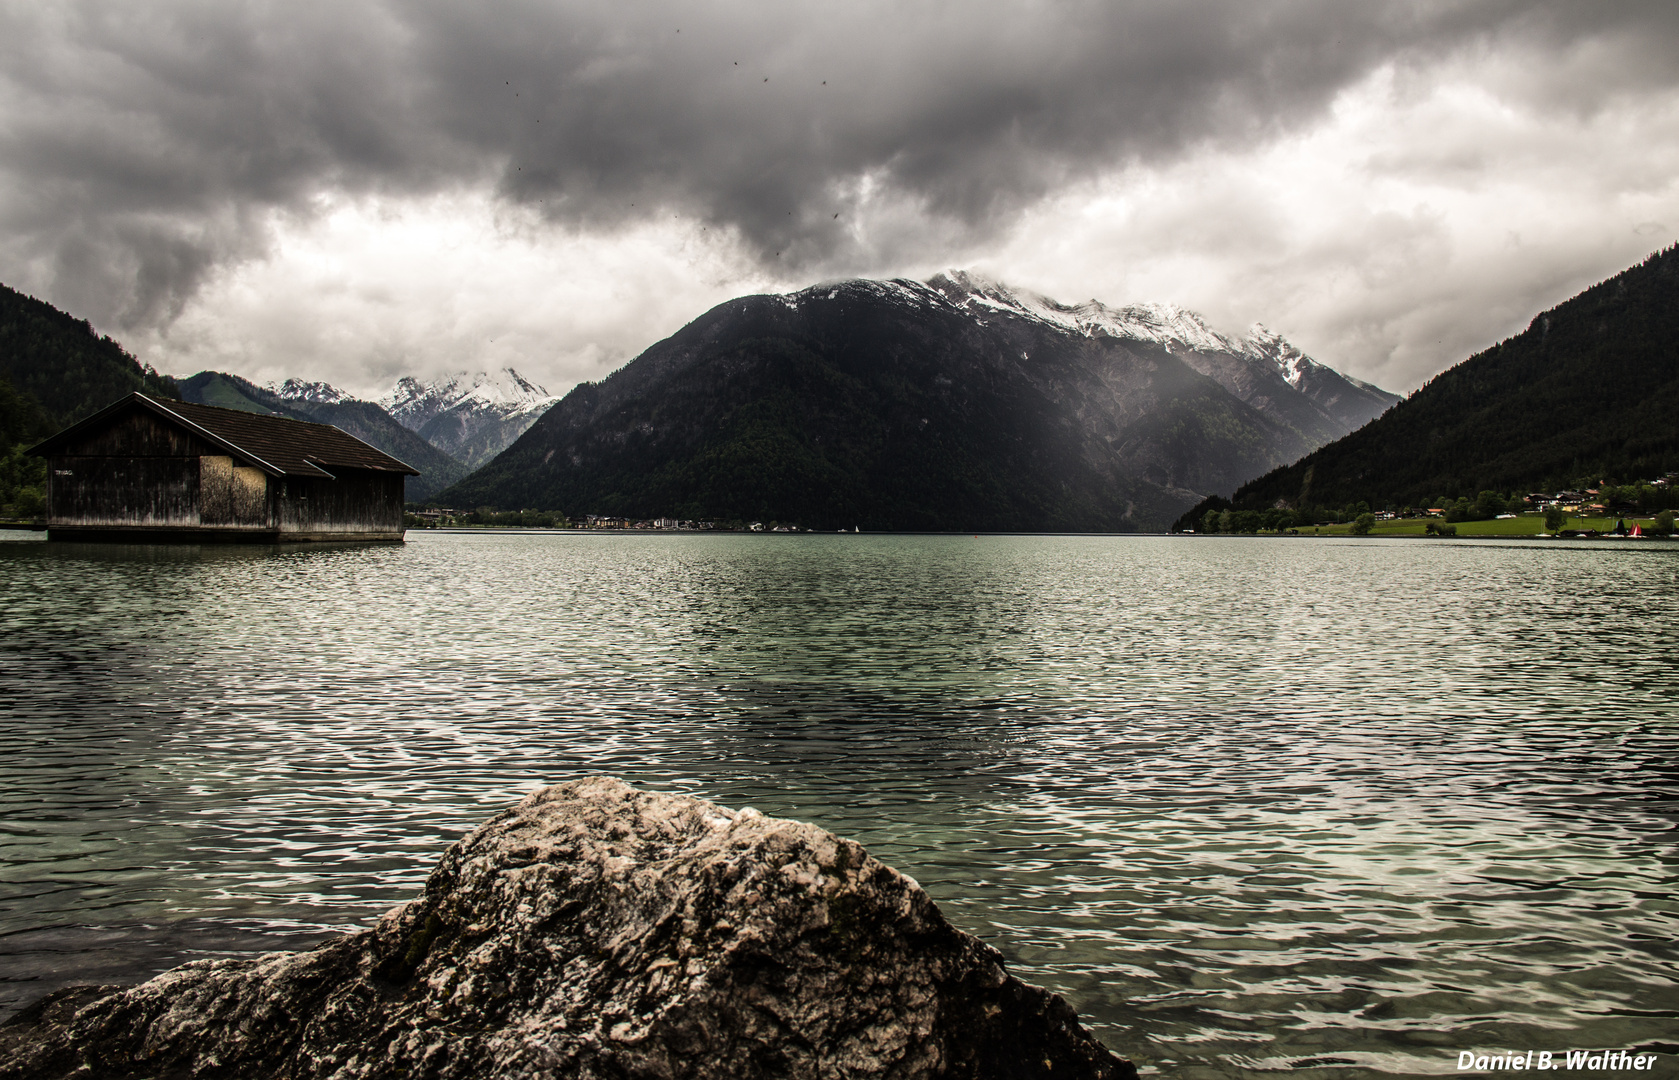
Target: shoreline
1338,533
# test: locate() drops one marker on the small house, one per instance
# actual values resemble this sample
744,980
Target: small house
150,471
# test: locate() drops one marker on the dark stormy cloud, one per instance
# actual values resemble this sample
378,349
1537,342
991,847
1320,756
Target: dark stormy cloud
357,190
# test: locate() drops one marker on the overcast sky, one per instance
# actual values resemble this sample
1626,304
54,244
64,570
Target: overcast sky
356,191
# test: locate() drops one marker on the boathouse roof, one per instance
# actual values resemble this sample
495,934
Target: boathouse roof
278,445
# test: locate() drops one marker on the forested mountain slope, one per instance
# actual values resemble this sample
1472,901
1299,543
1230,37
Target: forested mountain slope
895,405
59,361
54,370
1589,391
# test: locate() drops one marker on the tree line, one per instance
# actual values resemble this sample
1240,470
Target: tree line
1220,516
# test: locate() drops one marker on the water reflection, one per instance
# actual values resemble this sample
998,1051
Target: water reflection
1252,805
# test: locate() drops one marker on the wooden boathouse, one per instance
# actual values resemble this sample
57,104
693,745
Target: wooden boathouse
150,471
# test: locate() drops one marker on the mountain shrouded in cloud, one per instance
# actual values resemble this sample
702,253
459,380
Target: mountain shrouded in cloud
148,151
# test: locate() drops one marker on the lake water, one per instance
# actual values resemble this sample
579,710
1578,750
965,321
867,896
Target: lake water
1346,807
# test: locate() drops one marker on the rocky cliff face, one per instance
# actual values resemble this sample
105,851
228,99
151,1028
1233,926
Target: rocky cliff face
597,931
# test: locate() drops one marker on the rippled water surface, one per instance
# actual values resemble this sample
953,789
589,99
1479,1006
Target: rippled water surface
1252,805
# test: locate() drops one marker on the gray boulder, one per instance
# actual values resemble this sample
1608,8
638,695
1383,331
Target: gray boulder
597,931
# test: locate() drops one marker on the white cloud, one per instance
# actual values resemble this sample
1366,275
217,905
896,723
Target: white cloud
363,291
1421,221
1431,210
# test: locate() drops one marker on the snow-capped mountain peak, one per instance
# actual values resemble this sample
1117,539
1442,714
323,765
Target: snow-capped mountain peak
505,392
507,388
1241,364
1163,324
1266,344
472,415
317,392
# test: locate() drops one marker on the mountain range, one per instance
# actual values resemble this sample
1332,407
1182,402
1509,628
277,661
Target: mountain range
470,417
1588,393
444,427
441,427
954,403
1263,369
951,403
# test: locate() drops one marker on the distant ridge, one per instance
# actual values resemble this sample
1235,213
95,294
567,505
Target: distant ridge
1590,390
313,393
951,404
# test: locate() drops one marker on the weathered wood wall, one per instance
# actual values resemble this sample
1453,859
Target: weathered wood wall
358,501
138,471
138,491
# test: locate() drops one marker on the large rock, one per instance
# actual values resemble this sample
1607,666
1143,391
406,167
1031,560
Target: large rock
597,931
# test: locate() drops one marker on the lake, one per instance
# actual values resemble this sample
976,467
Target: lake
1330,807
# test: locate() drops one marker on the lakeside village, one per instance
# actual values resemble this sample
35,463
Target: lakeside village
489,517
1644,508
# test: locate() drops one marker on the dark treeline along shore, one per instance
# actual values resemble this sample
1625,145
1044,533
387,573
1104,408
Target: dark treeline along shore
1587,395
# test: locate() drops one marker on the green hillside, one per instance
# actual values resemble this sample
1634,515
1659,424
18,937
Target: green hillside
231,392
54,370
1587,394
